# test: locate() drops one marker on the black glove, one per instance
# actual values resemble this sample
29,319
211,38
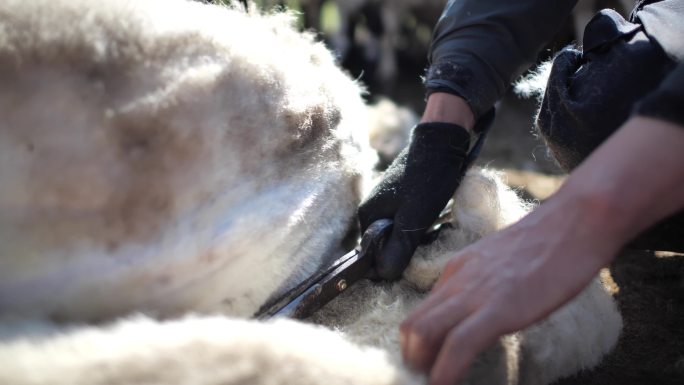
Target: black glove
415,189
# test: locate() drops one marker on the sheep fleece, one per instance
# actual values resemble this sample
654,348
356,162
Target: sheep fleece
193,139
153,151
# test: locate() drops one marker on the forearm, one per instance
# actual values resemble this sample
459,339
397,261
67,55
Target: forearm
633,180
515,277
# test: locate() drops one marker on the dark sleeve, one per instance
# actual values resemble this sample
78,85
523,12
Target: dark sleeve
667,101
480,46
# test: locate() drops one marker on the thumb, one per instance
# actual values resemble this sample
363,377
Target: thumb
393,259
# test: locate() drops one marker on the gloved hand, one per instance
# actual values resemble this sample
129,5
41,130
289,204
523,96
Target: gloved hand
416,188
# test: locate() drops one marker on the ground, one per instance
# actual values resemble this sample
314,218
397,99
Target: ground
650,295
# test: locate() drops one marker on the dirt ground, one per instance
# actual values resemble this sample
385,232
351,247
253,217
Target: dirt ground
650,295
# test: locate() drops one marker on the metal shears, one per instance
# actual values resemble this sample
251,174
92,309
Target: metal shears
316,291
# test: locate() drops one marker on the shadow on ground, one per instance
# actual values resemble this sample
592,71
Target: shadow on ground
650,294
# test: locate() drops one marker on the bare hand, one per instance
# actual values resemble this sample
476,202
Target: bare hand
513,278
497,286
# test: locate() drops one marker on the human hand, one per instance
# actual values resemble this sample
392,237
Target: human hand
513,278
419,183
504,283
414,190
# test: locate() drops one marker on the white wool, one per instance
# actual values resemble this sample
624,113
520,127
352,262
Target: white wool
573,338
155,155
363,349
371,313
533,84
195,350
482,204
389,128
154,160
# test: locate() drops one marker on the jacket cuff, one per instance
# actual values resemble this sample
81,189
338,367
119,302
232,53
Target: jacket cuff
459,77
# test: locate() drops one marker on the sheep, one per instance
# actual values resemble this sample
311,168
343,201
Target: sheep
381,45
184,161
161,177
355,341
389,128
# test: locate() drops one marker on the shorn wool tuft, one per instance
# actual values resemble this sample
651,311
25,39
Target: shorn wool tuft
168,166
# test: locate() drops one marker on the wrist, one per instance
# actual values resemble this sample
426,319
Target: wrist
632,180
581,223
447,108
599,214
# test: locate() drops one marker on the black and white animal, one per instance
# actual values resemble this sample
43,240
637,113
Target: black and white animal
385,24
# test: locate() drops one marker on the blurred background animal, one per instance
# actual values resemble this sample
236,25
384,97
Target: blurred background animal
372,37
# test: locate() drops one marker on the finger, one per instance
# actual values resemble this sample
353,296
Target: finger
450,269
448,285
382,203
384,200
435,299
462,345
374,209
423,337
395,256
